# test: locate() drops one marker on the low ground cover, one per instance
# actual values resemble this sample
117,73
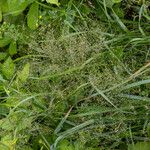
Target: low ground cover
74,75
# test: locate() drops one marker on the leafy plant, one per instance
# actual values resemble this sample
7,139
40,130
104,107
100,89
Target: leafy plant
12,8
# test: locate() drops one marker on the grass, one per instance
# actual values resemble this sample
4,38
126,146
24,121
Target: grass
77,86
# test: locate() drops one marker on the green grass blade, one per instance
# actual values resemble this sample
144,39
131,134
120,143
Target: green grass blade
71,131
118,20
140,17
60,125
102,94
135,84
134,97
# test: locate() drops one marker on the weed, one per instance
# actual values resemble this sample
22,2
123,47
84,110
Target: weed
77,78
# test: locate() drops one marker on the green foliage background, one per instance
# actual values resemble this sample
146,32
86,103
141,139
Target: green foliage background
74,74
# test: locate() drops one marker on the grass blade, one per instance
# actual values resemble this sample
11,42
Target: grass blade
70,132
134,97
102,94
136,84
60,125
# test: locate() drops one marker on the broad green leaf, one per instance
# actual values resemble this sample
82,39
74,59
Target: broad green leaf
16,120
12,101
7,142
24,123
32,17
13,48
17,6
6,124
140,146
4,6
65,145
53,2
8,68
24,74
2,55
4,41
